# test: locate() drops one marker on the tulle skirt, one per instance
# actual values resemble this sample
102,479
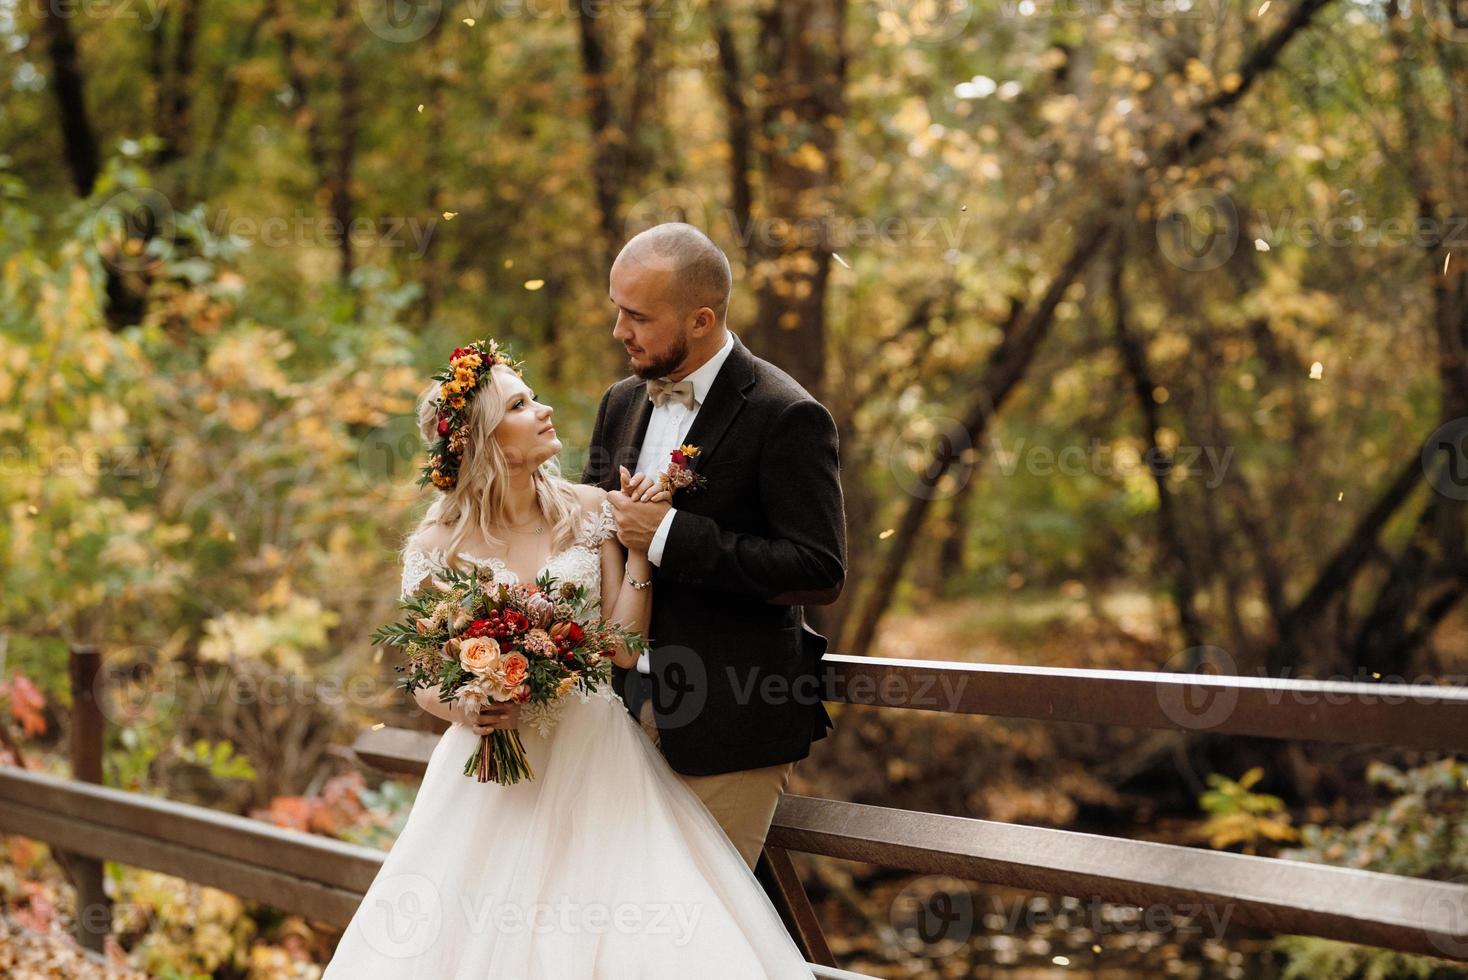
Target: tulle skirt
604,866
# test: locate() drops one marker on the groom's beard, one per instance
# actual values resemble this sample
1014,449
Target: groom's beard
668,362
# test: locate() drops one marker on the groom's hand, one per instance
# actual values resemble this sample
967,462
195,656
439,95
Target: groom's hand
637,518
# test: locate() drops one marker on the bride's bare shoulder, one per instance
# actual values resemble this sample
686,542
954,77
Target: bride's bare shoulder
431,537
590,496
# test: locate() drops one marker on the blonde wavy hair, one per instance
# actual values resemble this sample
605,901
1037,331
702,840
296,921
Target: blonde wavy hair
477,499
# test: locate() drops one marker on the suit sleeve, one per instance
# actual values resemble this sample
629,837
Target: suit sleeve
802,560
598,460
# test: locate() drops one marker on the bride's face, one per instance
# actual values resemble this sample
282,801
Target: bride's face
525,435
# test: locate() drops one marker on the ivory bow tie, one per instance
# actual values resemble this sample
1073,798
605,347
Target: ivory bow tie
660,391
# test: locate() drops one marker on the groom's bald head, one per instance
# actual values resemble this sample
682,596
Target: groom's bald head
698,270
670,285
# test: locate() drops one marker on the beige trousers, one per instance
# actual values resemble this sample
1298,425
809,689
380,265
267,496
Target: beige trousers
743,802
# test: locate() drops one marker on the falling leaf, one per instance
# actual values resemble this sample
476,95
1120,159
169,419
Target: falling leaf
1340,496
963,207
1317,371
887,534
1262,7
380,724
1260,245
534,284
838,258
468,21
1446,259
420,107
450,215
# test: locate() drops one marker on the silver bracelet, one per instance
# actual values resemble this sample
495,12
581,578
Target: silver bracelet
639,586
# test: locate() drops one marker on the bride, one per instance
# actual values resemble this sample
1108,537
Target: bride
605,865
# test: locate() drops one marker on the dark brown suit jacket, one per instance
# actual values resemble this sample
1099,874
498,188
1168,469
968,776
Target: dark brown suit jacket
735,668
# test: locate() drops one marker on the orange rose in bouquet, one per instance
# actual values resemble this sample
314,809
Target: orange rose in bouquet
483,641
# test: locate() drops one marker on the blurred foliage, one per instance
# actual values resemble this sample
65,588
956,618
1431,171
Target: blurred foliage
1421,832
206,450
1238,815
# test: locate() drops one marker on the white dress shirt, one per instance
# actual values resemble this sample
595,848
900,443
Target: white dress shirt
666,430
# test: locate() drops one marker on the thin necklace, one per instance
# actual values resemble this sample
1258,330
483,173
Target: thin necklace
538,530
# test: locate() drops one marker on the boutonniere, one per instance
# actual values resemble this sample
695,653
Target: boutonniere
680,475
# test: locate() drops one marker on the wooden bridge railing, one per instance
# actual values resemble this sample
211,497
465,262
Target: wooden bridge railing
325,879
1408,914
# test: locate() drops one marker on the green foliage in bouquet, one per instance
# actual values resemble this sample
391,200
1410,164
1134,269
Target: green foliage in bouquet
483,641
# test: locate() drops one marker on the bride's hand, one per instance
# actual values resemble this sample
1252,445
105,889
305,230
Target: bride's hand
643,488
491,717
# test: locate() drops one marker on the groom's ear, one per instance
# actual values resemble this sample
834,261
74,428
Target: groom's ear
704,320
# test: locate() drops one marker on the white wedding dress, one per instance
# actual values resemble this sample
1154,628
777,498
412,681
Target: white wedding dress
603,866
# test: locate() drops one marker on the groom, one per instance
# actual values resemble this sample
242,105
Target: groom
730,689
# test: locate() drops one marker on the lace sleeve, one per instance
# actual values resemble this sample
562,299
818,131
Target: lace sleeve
417,565
599,525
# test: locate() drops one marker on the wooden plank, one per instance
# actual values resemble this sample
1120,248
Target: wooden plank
278,889
396,750
1409,914
148,847
306,856
1419,716
788,894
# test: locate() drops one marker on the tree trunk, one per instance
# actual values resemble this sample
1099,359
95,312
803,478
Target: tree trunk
229,96
340,181
177,96
78,137
804,65
607,139
1010,360
1006,367
1173,541
731,86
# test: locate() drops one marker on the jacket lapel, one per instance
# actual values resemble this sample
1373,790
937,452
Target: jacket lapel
627,448
725,399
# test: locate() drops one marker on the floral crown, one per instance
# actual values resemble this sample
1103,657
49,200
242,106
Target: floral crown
467,373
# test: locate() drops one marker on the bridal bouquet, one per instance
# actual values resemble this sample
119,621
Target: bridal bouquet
481,640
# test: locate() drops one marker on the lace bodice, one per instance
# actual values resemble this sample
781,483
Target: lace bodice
580,563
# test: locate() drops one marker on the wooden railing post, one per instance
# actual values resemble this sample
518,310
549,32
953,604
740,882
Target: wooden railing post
88,728
781,881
